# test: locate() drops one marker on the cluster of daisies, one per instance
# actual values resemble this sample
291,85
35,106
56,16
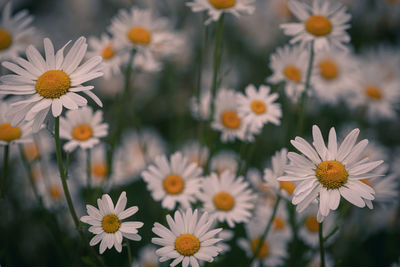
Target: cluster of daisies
208,192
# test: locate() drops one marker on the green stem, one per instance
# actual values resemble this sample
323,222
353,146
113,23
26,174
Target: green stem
5,169
321,245
120,105
326,238
128,248
217,62
88,168
264,235
307,85
29,174
67,194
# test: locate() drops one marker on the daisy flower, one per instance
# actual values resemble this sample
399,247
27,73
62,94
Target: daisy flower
289,64
200,108
51,83
273,248
255,178
149,35
280,224
195,152
147,257
324,22
378,95
334,75
309,226
174,181
82,128
279,162
258,107
227,198
189,240
106,223
13,31
107,48
329,172
215,8
226,117
40,147
10,134
224,160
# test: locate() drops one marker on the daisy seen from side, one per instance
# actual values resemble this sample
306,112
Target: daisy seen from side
329,173
107,225
174,181
82,128
324,22
227,198
189,239
215,8
53,83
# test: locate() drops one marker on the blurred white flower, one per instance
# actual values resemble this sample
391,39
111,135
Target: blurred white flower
258,107
82,128
227,198
324,22
13,32
215,8
224,160
289,64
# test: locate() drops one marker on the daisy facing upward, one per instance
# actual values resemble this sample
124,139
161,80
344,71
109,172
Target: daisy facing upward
327,173
324,22
53,83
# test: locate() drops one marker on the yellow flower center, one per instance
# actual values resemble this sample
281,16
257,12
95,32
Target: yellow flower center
287,186
82,132
373,92
318,25
110,223
5,39
258,107
222,4
230,119
9,133
173,184
311,224
31,151
292,73
331,174
264,248
224,201
279,223
329,70
54,192
139,35
187,244
108,52
99,170
53,84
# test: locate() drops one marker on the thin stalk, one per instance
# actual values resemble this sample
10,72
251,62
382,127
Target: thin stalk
321,245
5,169
128,248
326,238
29,174
307,85
67,194
88,168
217,61
119,113
264,235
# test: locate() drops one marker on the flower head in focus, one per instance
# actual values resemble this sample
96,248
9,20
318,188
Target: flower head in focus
53,83
107,225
